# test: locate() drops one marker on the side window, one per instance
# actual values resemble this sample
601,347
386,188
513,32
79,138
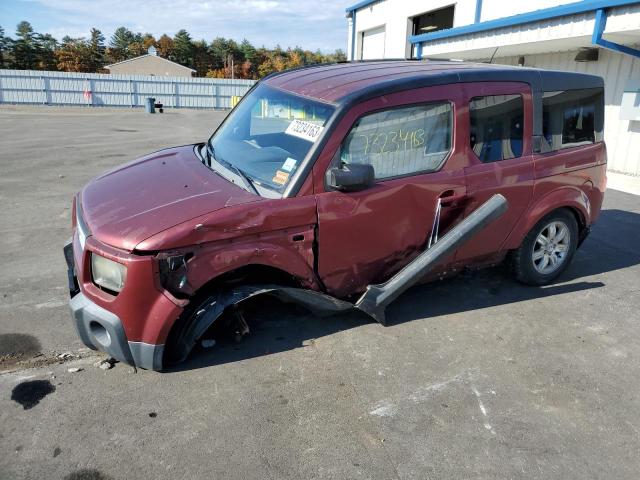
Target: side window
401,141
496,127
569,118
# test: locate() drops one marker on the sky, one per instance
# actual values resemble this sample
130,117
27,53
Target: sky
312,25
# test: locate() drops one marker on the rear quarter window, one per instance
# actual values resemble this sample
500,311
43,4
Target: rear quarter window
571,118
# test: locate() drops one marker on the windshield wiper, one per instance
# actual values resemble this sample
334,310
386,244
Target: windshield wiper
245,178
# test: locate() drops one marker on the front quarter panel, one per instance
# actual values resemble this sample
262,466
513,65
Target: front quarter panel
279,233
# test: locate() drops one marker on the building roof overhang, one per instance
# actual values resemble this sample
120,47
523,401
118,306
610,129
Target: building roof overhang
541,31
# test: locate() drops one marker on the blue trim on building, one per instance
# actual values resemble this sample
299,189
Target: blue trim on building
478,15
522,18
359,5
598,30
353,35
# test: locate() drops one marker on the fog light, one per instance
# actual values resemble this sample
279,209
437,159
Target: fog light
108,274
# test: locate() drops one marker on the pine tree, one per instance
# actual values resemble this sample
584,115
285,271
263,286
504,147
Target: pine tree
183,49
5,50
97,50
248,50
25,48
46,46
119,44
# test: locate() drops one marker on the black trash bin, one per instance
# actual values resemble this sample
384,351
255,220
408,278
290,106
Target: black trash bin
150,105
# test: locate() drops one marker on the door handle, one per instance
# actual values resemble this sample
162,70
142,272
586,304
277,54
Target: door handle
450,197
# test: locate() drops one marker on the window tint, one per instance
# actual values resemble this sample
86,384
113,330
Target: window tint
401,141
496,127
569,118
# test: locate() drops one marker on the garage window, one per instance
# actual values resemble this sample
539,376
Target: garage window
432,21
401,141
496,127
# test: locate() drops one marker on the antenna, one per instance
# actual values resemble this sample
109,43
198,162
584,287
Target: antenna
494,54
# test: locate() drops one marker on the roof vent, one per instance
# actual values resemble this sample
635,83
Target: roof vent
152,50
586,54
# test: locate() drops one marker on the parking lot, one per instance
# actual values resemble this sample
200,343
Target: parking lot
477,376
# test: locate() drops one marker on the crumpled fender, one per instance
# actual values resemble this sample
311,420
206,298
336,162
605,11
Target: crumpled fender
373,302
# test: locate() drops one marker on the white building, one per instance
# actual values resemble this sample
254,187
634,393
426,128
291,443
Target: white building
601,37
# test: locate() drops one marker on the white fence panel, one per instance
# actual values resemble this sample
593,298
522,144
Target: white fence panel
95,89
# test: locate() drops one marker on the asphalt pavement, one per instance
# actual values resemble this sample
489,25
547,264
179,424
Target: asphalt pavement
477,376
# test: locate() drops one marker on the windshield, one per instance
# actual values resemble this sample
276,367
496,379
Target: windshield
267,137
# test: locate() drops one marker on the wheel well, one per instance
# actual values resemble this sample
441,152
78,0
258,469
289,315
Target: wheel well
577,214
582,224
251,274
248,274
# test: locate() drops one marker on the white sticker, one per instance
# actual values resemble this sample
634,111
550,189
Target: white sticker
289,164
305,130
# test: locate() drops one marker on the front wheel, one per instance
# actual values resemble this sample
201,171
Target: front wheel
547,249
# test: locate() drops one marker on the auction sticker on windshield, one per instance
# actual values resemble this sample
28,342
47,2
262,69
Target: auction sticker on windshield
305,130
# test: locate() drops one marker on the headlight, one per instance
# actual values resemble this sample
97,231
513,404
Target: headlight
108,274
173,273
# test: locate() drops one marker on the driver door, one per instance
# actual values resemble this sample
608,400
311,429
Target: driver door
366,236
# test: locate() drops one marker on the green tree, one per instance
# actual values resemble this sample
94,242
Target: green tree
183,49
338,56
97,50
218,51
248,50
25,48
5,50
119,44
75,55
201,58
46,46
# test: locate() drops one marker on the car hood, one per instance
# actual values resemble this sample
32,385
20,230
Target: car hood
126,205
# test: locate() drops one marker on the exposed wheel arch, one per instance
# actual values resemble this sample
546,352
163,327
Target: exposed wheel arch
176,349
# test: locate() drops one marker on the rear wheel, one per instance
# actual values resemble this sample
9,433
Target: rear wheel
547,249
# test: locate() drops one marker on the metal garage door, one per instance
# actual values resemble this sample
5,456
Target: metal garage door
373,43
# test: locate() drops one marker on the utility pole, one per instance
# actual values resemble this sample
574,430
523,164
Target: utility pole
230,62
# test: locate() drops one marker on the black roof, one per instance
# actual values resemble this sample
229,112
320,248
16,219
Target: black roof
354,81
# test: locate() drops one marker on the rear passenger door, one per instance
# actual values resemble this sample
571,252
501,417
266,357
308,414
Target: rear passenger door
500,126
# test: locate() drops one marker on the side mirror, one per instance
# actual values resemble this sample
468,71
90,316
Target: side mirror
350,177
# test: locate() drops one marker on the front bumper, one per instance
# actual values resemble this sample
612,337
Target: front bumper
101,329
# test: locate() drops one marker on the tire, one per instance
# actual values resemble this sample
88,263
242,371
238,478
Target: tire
547,249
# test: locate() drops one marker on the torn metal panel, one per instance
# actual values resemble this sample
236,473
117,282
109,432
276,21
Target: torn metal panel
373,302
318,303
377,297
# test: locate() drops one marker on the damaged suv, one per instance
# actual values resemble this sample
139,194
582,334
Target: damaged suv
338,186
